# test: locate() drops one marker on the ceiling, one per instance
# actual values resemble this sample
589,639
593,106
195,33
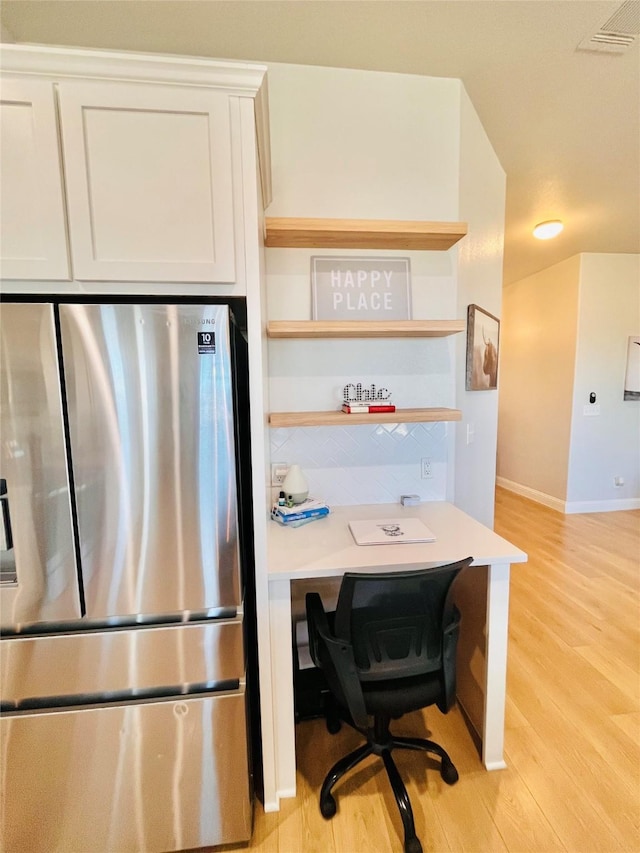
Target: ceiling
565,123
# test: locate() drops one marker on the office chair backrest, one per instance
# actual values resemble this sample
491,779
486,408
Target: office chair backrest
397,622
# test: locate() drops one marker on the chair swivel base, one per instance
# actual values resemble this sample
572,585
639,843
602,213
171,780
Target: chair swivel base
381,742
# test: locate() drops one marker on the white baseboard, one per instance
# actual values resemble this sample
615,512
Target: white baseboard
532,494
568,507
602,506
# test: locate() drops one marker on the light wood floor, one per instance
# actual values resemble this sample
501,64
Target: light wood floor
573,718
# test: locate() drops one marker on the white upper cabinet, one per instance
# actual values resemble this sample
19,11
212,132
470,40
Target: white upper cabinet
125,167
149,182
33,238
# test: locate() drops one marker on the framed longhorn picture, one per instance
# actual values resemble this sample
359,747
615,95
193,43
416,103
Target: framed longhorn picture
632,375
483,341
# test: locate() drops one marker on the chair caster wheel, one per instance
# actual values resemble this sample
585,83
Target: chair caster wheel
449,774
412,845
333,726
328,806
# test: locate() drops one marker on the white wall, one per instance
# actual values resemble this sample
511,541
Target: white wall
537,365
606,446
361,144
482,193
355,144
564,334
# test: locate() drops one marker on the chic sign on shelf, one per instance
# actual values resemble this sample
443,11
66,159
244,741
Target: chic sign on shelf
360,288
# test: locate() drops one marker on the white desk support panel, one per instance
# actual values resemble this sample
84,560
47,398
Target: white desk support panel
325,548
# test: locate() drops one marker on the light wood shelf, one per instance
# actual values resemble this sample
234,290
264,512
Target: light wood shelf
364,328
291,233
337,418
295,233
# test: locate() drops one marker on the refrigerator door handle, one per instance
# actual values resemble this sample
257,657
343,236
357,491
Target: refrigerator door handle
8,573
39,561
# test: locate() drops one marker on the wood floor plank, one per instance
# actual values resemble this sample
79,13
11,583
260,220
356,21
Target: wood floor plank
589,743
514,718
630,725
517,815
561,797
614,670
572,678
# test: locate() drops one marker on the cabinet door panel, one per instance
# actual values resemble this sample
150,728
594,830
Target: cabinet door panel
32,226
149,182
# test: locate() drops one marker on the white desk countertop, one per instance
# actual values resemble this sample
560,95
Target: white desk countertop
325,547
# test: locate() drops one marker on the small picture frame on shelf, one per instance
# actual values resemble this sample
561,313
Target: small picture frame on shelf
347,288
483,342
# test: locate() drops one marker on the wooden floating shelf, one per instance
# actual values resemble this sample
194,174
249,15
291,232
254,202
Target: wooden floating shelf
293,233
400,416
364,328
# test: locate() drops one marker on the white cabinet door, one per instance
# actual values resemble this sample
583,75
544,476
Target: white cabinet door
149,184
33,236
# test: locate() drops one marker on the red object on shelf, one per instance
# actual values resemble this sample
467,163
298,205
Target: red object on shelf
351,410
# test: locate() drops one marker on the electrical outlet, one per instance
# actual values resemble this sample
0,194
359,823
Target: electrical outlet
426,469
279,471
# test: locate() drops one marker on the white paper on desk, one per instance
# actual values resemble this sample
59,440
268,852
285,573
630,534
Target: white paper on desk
390,531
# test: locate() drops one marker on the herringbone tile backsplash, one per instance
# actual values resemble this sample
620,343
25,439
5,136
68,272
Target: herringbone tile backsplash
366,464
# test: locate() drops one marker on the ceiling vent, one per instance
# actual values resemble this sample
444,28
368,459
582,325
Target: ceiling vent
618,32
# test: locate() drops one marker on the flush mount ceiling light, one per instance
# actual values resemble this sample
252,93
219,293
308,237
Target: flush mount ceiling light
547,230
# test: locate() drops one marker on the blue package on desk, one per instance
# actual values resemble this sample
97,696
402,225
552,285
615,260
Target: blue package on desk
299,521
306,511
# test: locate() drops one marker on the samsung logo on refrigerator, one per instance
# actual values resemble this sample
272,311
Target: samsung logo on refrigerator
198,322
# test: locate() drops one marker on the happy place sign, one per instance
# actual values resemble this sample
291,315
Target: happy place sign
360,288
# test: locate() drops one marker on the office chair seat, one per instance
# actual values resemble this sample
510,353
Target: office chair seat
395,698
388,649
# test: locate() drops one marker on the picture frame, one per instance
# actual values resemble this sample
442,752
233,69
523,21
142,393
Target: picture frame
483,349
632,372
360,288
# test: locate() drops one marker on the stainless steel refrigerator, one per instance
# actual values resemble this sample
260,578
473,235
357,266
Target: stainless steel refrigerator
123,584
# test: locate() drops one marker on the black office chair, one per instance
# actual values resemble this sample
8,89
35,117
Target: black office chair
389,648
